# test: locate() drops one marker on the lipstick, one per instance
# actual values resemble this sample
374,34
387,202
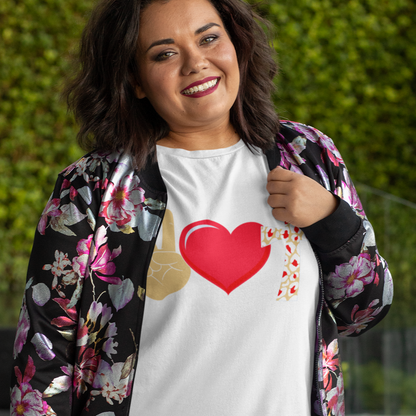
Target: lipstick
201,88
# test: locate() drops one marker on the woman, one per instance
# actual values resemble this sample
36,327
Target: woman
242,235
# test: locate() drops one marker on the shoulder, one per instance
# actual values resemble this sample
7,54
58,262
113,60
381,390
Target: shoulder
303,137
292,129
80,186
92,164
77,193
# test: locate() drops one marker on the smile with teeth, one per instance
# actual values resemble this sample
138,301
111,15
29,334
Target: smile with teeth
201,87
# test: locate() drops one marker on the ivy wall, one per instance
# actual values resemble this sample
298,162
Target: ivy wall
346,67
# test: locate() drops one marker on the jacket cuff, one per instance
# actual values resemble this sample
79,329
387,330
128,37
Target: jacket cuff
334,231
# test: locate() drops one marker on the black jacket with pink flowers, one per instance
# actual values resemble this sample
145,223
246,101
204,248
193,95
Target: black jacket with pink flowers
79,329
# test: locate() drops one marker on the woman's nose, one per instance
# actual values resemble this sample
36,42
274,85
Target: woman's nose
194,61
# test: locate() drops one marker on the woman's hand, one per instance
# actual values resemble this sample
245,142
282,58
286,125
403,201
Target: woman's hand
298,199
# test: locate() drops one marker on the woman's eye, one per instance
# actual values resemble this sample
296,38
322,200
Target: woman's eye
164,55
208,39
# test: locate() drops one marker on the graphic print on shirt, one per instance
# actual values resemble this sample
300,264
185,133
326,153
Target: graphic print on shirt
291,236
168,271
225,259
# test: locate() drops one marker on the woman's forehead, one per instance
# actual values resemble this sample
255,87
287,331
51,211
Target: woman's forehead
175,17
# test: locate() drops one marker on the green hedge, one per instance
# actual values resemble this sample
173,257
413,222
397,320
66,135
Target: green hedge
347,67
36,134
395,225
383,390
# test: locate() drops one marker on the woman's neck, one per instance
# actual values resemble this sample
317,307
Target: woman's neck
201,138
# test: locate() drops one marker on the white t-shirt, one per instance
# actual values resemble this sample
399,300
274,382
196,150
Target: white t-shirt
229,320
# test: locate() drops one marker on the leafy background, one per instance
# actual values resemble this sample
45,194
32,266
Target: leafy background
346,67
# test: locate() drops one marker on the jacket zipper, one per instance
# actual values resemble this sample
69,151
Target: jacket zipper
319,334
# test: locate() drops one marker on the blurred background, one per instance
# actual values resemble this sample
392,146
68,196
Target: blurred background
347,67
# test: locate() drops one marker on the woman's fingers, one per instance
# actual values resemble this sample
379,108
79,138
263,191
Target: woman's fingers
280,174
279,181
279,187
298,199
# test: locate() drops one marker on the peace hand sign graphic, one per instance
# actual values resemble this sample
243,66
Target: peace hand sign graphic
168,271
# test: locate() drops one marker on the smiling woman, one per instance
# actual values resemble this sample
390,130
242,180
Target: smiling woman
103,94
180,50
203,257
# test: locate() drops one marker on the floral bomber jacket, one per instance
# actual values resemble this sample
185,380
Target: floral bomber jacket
78,335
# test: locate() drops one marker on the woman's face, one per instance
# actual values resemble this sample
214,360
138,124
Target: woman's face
188,64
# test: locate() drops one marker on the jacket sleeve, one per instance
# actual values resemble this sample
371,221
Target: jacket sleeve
45,342
358,286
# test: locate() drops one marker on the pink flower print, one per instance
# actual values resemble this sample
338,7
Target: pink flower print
24,399
28,374
65,184
27,402
81,168
288,161
70,168
122,203
72,193
330,362
22,330
71,314
335,398
58,269
59,384
326,142
60,263
51,210
101,184
82,335
84,373
349,279
111,383
90,331
332,157
102,258
360,319
69,215
109,346
97,309
324,178
328,146
376,276
108,157
348,192
80,263
102,264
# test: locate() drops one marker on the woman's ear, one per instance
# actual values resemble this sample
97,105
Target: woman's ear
135,83
139,92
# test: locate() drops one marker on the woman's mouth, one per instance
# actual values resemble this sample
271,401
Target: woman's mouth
204,88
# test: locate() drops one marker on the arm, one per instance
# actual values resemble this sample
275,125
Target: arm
358,285
44,350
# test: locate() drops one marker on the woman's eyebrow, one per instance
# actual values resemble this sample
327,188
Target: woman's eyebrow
205,27
170,41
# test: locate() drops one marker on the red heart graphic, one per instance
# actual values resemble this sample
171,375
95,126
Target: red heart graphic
226,260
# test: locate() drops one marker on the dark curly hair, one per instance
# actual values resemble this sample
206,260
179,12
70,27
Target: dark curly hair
101,93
